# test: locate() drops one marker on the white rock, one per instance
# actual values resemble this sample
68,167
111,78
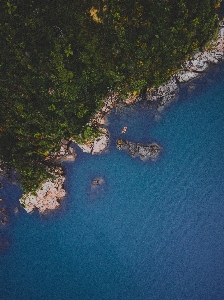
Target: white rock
186,76
86,148
100,144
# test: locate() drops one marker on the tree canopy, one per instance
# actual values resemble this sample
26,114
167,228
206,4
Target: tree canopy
59,59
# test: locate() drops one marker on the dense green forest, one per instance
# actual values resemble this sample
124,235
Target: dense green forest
59,59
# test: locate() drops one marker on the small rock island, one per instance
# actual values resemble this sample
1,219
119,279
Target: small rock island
139,150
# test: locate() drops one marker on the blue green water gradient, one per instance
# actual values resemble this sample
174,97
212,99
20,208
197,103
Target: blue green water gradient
153,230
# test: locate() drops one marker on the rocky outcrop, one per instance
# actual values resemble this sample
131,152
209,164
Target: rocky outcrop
132,98
46,196
139,150
98,145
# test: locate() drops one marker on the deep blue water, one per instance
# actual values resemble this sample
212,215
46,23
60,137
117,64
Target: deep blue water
153,230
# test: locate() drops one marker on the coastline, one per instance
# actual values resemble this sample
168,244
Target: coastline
51,191
190,69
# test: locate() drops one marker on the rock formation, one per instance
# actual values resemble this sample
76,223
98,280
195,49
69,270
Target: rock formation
46,197
139,150
98,145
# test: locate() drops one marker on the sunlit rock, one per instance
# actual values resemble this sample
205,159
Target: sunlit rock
46,197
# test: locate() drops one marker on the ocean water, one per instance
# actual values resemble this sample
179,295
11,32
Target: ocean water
152,230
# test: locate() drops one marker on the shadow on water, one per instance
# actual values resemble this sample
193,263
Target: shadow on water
10,208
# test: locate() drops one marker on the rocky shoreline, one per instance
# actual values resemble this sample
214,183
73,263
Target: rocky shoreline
190,69
99,144
51,191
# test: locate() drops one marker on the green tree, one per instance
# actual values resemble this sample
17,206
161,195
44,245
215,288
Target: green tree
59,58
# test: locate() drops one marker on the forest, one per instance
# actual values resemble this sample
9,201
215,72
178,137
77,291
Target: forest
59,59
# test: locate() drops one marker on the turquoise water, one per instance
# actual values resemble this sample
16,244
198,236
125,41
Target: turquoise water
153,230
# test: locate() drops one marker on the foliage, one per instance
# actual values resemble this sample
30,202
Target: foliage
87,134
60,58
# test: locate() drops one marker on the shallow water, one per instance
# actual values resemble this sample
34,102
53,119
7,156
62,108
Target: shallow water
152,230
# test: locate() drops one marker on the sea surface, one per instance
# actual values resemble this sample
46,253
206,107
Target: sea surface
152,230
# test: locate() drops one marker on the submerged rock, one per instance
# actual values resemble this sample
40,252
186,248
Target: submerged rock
97,187
4,221
97,181
69,157
139,150
3,210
